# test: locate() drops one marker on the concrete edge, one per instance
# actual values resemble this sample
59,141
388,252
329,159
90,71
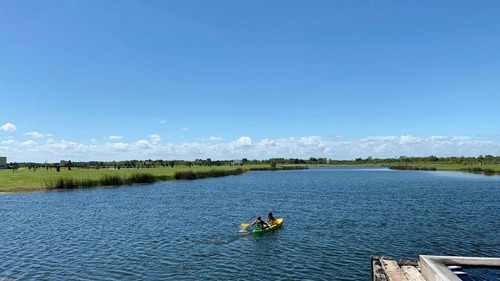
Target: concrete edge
434,268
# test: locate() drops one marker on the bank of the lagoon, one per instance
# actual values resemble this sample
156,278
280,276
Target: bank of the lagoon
488,165
335,220
486,169
42,179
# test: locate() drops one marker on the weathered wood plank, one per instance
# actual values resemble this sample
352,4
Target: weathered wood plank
392,270
378,273
412,273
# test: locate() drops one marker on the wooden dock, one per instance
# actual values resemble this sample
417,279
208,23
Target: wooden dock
388,269
428,268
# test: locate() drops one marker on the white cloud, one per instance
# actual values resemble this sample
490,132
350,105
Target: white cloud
211,138
115,137
144,144
117,146
185,129
438,138
35,135
93,141
410,139
245,147
243,142
380,138
308,141
29,143
155,138
8,127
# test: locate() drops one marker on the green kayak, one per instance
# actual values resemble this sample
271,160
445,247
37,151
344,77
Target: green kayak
277,224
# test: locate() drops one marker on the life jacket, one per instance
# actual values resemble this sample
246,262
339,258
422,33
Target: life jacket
258,225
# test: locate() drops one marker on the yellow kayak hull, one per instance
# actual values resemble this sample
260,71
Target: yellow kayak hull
277,224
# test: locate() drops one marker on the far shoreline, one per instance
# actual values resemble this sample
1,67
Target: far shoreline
26,180
108,178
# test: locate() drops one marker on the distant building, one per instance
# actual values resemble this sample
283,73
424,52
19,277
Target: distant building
3,162
65,163
236,163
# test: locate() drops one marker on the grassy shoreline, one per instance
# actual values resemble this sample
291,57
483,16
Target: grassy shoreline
26,180
487,169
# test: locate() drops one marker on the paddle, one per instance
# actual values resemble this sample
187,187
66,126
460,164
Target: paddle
245,225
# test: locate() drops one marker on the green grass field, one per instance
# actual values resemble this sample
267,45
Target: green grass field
25,180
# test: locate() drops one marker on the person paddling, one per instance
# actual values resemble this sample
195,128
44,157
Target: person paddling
260,224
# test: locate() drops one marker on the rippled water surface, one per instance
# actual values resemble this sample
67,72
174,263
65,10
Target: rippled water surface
334,220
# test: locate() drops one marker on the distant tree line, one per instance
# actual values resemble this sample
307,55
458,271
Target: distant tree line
487,159
145,164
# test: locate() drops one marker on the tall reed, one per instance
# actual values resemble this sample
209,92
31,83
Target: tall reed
141,178
191,175
478,170
107,180
412,167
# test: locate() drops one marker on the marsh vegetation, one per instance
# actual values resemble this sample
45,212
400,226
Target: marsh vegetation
26,179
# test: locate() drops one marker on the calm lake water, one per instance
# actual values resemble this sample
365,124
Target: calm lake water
335,219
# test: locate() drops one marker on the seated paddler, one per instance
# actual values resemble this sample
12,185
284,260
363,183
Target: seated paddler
260,224
270,219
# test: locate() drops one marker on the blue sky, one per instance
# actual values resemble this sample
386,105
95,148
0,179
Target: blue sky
108,80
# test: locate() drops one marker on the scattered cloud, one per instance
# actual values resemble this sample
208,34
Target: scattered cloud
115,137
211,138
488,135
243,142
336,136
116,146
8,127
380,138
155,138
162,121
185,129
35,135
246,147
29,143
144,144
410,139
